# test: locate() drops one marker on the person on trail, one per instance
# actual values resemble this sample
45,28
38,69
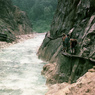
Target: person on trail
67,42
73,43
63,40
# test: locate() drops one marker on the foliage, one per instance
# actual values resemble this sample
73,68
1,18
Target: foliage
40,12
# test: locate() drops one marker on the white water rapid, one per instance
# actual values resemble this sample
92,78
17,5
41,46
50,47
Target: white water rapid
20,69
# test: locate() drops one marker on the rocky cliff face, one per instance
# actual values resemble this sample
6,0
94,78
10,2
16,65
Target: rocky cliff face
83,86
13,21
77,18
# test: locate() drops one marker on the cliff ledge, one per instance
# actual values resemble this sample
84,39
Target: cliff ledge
77,18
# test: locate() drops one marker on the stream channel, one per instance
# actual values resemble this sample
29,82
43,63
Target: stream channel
20,69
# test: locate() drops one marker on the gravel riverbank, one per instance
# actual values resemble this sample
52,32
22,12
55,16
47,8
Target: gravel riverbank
19,39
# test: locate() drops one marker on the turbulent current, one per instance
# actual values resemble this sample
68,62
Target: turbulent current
20,69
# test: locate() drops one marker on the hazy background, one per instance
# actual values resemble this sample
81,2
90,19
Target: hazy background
40,12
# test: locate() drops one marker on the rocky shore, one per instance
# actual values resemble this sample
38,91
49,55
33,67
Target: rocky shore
19,39
83,86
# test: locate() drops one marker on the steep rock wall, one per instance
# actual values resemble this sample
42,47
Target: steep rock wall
13,21
77,18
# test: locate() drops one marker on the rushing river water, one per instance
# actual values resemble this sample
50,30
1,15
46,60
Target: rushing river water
20,69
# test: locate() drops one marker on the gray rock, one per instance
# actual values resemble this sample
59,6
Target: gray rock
76,17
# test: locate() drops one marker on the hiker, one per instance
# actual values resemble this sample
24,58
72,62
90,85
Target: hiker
67,42
73,43
63,39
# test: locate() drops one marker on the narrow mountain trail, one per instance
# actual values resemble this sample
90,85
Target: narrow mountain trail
20,69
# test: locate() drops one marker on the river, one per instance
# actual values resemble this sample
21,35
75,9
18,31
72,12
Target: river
20,69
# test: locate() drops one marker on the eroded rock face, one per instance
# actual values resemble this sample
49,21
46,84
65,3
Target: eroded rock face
83,86
77,18
13,21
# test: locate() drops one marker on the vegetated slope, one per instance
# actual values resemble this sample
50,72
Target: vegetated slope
76,17
13,21
40,12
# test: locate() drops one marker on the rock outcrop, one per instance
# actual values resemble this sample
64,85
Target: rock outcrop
13,21
77,18
83,86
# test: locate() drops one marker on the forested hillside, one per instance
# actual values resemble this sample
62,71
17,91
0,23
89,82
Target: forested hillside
13,21
40,12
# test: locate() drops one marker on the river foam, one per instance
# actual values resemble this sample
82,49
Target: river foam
20,69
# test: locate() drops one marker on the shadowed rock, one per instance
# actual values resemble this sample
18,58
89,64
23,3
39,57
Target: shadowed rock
77,18
13,21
